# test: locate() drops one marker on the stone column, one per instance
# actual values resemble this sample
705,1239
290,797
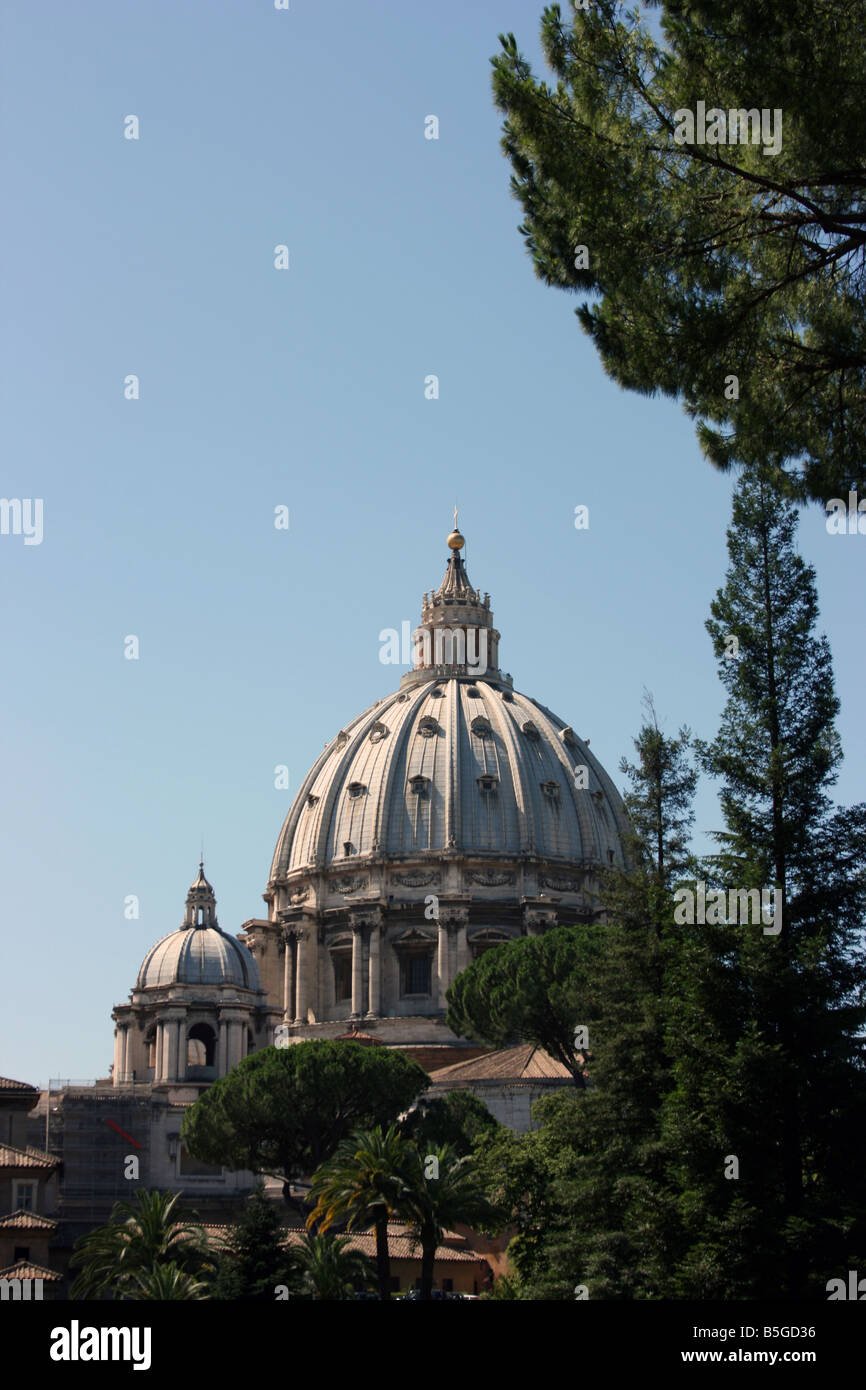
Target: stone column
172,1028
160,1051
461,922
222,1046
442,964
288,978
301,975
357,970
119,1059
375,990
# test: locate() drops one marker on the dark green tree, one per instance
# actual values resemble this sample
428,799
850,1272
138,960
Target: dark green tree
284,1110
533,989
456,1119
254,1261
723,272
766,1017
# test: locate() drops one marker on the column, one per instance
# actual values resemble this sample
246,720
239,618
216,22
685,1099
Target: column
301,977
463,956
222,1047
171,1066
157,1070
357,971
375,991
289,979
442,965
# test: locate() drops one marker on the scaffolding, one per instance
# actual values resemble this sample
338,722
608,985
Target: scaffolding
95,1132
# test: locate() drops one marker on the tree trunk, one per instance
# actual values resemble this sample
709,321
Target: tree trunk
428,1256
383,1262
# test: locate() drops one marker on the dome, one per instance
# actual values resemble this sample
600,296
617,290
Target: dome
453,763
199,953
456,760
198,956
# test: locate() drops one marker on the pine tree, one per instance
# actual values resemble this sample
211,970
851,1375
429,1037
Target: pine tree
589,1189
765,1024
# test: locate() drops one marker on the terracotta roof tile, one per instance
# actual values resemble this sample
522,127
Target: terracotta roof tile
22,1220
526,1062
26,1158
25,1269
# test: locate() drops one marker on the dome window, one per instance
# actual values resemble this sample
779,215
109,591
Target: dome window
568,737
428,726
312,800
507,696
531,730
356,789
488,783
437,693
473,692
420,785
551,790
378,732
481,727
348,847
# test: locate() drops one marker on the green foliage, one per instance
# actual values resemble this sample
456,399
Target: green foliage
766,1031
330,1269
254,1261
709,260
442,1193
283,1111
135,1252
366,1183
457,1119
167,1283
534,989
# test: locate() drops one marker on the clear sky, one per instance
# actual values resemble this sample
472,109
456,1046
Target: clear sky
303,388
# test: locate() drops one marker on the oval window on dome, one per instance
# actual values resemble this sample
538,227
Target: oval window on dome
428,727
481,727
473,692
531,730
378,731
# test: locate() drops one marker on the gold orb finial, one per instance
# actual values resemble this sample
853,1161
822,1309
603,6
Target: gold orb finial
455,540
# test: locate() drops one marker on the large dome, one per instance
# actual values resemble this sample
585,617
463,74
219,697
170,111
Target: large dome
454,762
450,817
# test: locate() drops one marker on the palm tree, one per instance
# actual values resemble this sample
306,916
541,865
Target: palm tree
362,1185
166,1283
454,1194
139,1238
330,1269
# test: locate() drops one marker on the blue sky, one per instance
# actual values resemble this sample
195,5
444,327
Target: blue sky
302,388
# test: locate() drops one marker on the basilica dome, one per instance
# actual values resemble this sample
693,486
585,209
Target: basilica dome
453,763
451,816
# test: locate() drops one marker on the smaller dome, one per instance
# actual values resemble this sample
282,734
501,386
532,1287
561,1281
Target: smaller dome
198,956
